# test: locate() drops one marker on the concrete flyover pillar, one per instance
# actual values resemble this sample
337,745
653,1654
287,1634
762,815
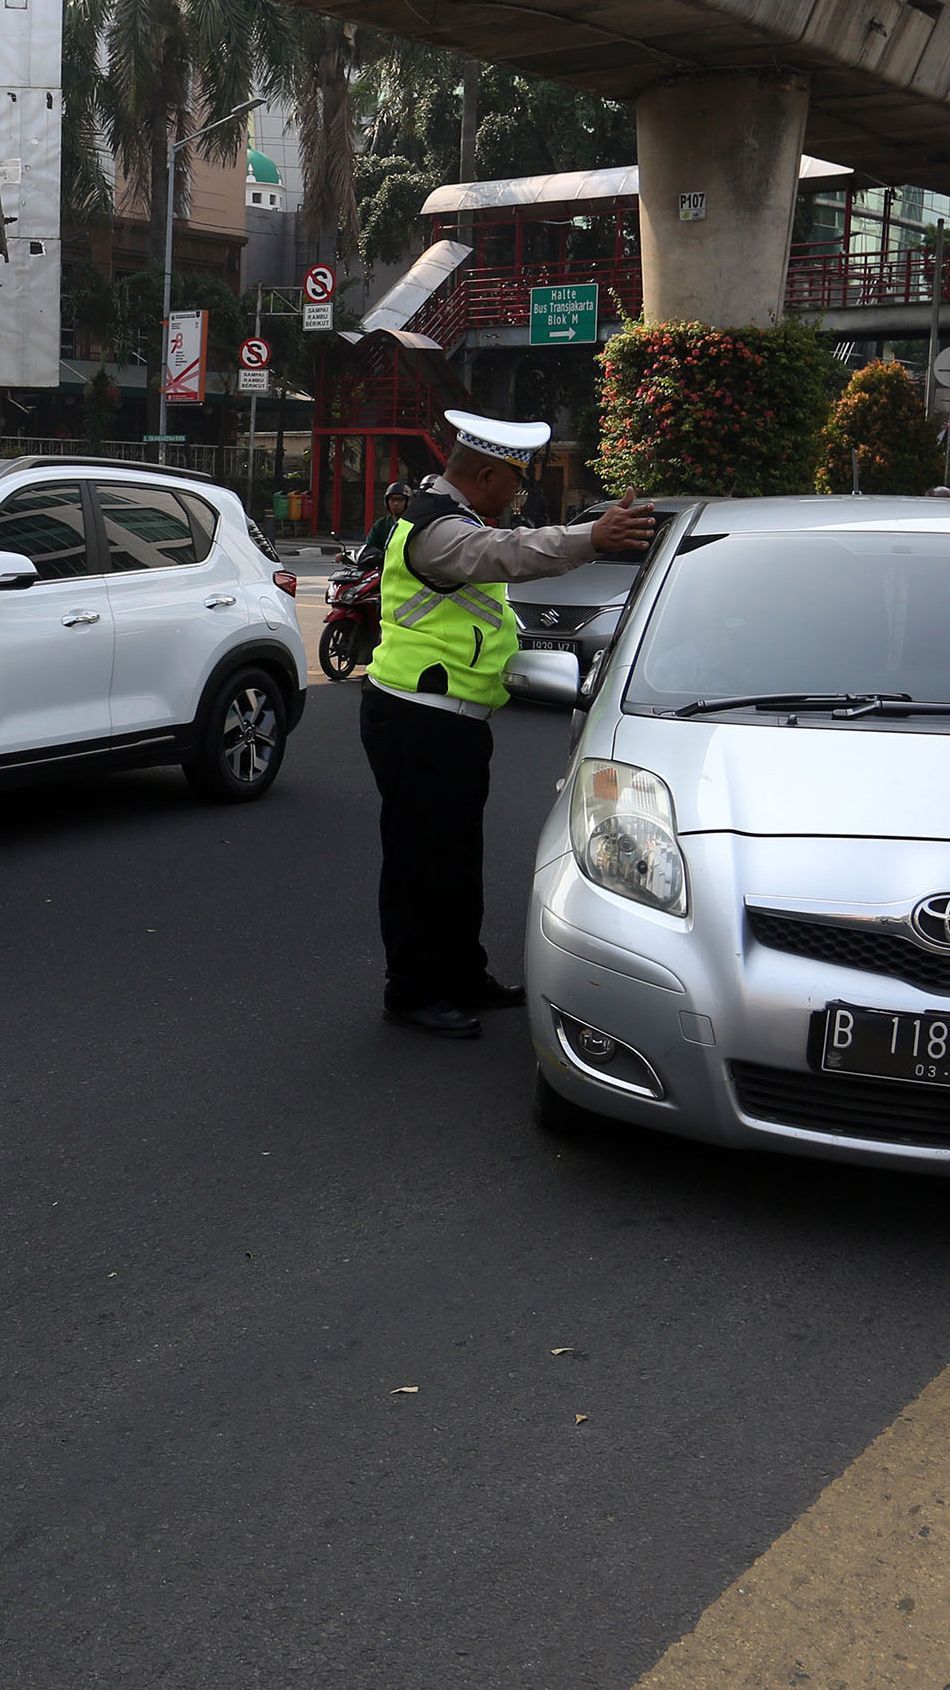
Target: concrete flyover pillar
735,137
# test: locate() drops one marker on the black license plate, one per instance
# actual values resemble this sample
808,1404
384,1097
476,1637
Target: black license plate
883,1045
527,644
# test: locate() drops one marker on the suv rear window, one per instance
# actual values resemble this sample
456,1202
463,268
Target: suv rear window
261,541
204,521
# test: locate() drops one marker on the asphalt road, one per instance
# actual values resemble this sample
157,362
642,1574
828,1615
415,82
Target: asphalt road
240,1211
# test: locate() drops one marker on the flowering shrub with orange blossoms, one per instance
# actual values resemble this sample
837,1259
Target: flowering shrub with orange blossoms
880,415
690,409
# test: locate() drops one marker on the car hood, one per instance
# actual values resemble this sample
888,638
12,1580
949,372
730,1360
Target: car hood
848,781
592,583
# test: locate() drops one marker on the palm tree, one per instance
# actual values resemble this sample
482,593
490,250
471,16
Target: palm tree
146,72
86,189
328,55
173,66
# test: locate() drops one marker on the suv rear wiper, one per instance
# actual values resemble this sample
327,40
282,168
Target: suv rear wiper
844,703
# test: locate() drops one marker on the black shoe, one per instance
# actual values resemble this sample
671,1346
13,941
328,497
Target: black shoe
491,994
442,1018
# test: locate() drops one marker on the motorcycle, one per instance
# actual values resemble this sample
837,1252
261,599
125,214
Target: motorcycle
351,632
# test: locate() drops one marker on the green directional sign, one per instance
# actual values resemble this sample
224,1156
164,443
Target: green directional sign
564,316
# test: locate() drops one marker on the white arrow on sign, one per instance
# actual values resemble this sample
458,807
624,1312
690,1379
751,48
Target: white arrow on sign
562,334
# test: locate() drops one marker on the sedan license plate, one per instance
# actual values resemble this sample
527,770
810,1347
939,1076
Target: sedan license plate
546,645
882,1045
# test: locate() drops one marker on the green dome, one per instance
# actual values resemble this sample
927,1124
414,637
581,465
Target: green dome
260,168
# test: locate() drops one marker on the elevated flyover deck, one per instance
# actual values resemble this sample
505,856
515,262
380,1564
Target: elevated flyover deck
878,75
729,93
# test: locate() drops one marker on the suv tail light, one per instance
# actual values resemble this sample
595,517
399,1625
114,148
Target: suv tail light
286,582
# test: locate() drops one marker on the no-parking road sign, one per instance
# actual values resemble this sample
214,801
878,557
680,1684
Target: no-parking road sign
255,354
319,284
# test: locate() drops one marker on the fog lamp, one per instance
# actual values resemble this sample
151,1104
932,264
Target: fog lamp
597,1047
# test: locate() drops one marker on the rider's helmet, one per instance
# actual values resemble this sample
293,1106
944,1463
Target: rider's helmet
398,490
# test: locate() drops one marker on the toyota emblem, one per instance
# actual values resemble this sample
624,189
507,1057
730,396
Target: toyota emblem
931,920
550,618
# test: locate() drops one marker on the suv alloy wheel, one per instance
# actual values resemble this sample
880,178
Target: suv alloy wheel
243,740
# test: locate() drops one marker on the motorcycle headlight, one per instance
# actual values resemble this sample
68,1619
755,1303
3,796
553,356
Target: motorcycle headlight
623,833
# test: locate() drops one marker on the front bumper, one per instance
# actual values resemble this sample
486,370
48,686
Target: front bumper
727,1024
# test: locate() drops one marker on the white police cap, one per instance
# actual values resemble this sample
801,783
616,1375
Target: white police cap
514,443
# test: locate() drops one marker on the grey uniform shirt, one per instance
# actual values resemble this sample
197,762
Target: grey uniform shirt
457,549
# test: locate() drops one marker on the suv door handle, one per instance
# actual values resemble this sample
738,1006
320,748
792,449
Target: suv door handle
80,616
221,600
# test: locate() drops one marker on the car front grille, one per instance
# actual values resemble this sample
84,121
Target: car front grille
844,1106
570,617
870,951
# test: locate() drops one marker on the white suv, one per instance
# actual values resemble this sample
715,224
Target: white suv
143,621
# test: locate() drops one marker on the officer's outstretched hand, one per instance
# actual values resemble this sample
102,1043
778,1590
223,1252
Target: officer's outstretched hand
625,527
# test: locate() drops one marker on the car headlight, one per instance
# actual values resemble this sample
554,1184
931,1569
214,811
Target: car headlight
623,833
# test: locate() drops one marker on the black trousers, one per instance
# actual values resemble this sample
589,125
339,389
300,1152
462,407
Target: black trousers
432,770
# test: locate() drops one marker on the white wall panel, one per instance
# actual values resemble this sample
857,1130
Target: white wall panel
30,150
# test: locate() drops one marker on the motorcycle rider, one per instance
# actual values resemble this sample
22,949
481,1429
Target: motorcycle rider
398,494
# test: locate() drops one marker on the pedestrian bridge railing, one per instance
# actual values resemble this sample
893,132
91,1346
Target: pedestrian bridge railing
481,301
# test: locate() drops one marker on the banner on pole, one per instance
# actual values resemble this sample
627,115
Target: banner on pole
187,357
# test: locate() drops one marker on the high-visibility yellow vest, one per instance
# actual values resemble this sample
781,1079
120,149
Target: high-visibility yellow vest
453,642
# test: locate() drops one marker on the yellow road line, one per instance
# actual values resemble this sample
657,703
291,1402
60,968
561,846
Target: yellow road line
856,1594
316,677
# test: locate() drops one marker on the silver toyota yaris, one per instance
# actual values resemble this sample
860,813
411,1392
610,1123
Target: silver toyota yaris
740,925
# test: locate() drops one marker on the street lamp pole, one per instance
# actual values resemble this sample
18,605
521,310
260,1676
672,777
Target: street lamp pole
174,148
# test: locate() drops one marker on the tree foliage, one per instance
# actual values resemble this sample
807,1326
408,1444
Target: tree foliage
142,73
691,409
323,103
125,315
881,416
85,185
100,402
408,97
175,66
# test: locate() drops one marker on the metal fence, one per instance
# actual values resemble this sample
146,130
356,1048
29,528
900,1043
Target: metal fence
230,462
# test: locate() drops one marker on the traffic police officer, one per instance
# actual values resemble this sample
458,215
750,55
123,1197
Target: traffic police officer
435,679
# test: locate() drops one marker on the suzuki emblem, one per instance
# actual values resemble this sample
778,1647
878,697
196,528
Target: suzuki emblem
550,618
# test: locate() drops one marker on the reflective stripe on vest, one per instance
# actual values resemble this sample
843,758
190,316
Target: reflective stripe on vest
467,598
414,609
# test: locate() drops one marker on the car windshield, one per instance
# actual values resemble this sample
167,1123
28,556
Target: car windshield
842,612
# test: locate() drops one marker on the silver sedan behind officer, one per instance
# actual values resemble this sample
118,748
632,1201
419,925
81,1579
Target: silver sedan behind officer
435,679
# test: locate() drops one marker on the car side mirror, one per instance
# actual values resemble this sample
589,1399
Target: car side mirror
16,572
544,677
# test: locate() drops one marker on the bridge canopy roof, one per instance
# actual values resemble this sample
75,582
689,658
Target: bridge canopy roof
577,191
411,291
879,75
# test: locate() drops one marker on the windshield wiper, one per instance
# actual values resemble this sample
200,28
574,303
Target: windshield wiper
848,703
891,704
